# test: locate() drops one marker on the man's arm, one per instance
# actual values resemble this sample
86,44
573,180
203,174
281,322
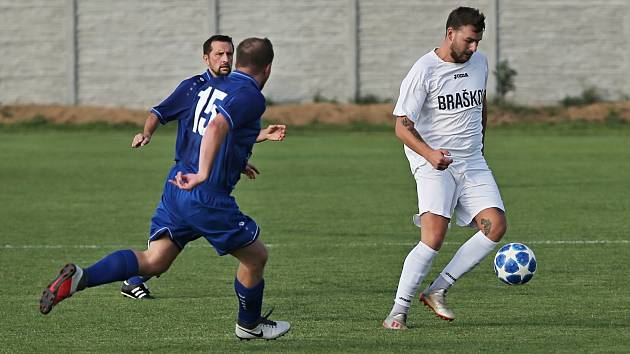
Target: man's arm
213,137
274,132
407,133
150,125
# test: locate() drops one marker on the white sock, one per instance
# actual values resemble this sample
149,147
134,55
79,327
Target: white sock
416,266
466,258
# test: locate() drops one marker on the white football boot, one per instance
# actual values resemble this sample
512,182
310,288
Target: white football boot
265,329
398,321
436,301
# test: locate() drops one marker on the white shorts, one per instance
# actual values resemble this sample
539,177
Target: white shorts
464,192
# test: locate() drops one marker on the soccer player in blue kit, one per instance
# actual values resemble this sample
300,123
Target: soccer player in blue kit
213,147
218,52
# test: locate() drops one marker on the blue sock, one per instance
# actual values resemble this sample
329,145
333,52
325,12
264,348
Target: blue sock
249,302
116,266
138,279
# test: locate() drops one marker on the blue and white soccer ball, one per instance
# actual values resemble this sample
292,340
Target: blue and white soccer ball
515,264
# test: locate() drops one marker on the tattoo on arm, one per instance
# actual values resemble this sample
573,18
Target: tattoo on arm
487,226
407,123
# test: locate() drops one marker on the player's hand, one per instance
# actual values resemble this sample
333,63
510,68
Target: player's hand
276,132
440,159
250,171
187,181
140,140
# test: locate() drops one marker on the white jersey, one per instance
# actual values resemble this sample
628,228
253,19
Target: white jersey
445,101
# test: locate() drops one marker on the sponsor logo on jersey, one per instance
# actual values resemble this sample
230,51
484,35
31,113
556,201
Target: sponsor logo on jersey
463,99
459,76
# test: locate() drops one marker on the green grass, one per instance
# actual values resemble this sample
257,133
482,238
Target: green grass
335,208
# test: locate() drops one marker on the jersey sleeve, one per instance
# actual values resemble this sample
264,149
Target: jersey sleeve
241,108
413,93
177,104
486,68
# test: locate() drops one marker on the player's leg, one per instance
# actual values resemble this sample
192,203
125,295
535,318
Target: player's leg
232,232
249,283
436,190
157,258
480,201
492,225
416,266
163,223
492,222
135,287
116,266
249,286
419,260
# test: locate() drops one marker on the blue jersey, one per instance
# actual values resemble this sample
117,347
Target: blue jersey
194,103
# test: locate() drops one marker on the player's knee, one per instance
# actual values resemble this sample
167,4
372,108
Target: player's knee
153,265
262,257
158,267
258,259
433,239
435,243
499,228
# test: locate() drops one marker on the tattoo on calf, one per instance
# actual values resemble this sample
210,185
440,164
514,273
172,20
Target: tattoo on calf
487,226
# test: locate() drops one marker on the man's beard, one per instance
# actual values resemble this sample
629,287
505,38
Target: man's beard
223,71
460,57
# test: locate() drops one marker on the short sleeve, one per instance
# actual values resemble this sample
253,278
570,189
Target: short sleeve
178,104
486,67
412,95
242,107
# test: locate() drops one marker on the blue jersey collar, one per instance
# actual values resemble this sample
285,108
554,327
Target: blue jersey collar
207,75
246,76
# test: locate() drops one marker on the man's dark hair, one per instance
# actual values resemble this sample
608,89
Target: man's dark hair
464,16
255,53
207,45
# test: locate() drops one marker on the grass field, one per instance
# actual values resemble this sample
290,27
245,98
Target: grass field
335,207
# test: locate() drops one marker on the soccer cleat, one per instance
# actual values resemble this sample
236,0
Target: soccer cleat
67,283
398,321
137,291
436,301
265,329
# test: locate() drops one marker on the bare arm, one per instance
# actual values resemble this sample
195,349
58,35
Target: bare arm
213,137
150,125
407,133
274,132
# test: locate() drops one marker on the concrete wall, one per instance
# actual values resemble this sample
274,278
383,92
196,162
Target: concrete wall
394,34
312,43
33,51
133,53
563,47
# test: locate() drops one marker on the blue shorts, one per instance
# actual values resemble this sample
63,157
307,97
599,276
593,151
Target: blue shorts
187,215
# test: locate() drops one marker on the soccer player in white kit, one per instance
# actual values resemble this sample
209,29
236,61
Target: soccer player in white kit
441,118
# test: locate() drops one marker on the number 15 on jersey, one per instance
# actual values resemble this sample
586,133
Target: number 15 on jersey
207,98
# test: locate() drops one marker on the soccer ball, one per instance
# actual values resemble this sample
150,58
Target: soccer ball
515,264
